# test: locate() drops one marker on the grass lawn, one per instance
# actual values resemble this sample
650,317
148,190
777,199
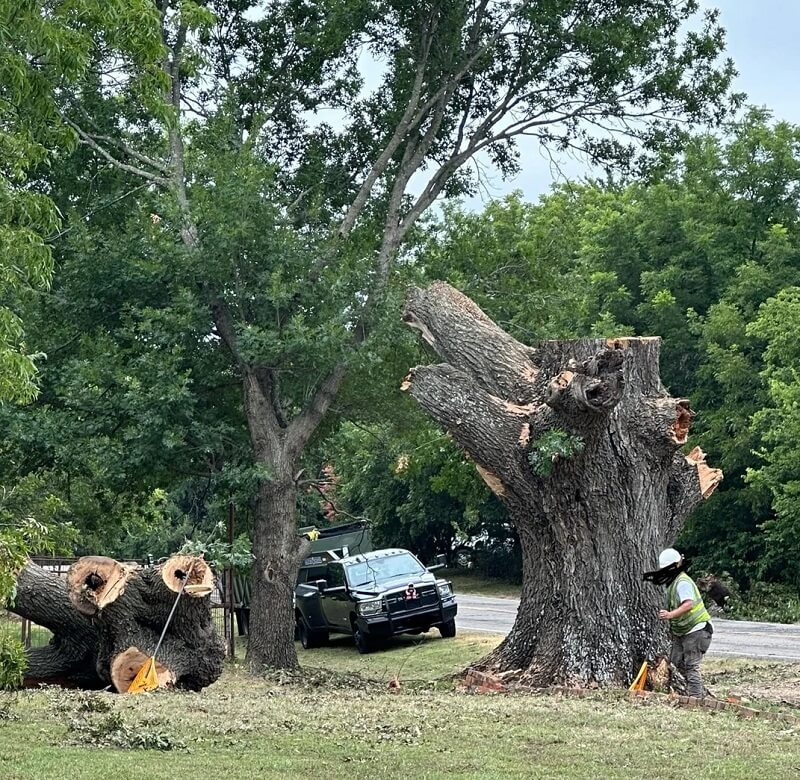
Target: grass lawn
330,723
466,582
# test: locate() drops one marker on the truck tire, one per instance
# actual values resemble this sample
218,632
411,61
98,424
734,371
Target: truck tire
308,637
448,629
364,643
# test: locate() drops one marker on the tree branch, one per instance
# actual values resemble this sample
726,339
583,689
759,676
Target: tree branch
221,315
131,152
691,481
481,423
393,145
89,141
461,333
302,427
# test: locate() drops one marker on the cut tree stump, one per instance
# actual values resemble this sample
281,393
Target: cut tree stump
581,442
107,616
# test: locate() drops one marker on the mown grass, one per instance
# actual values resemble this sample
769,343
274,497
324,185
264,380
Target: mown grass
467,582
330,723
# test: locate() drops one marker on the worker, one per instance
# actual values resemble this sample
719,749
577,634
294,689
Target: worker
689,621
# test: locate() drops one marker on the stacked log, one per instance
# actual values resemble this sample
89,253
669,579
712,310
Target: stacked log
106,619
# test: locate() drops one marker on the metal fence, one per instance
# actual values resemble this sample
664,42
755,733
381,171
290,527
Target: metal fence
226,611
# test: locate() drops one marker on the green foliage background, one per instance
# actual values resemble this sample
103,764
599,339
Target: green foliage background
137,438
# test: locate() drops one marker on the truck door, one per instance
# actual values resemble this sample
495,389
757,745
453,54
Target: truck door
334,601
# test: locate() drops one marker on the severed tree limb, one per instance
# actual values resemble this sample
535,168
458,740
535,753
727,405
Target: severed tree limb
69,659
467,339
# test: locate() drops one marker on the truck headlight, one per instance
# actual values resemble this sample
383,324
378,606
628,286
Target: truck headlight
445,591
371,607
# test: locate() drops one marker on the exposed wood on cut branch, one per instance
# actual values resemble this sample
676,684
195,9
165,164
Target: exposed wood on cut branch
691,481
195,571
667,420
468,340
126,665
104,609
708,477
492,481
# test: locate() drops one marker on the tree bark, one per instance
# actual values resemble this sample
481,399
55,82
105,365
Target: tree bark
70,658
106,616
581,442
277,549
278,552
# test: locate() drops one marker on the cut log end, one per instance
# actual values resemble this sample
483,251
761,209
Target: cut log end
709,477
94,582
200,581
127,664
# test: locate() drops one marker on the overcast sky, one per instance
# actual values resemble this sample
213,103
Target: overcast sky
762,40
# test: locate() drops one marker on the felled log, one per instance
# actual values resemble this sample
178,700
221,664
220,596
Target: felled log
110,618
70,658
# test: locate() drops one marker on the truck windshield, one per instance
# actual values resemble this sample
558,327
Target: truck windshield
380,569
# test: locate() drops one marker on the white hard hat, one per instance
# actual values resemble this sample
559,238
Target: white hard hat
668,557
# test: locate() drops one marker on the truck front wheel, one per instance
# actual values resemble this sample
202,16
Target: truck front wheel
448,629
364,643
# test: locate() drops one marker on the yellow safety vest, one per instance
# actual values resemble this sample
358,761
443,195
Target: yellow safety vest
688,620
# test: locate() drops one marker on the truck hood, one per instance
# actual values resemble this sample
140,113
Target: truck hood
395,583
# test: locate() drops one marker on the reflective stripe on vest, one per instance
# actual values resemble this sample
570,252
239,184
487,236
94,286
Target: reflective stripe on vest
688,620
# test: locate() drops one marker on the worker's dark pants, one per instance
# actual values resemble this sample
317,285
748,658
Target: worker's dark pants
243,620
687,653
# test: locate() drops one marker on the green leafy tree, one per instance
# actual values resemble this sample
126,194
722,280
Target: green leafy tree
414,488
285,229
41,52
44,48
778,427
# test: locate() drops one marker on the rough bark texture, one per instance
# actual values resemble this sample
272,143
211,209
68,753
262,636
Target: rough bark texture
70,658
591,521
277,549
106,612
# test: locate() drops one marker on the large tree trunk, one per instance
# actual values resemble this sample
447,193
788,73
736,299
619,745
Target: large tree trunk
581,442
277,548
106,619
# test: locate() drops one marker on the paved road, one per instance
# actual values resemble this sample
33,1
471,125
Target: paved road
772,641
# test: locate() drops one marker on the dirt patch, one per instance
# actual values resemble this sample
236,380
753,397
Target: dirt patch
778,683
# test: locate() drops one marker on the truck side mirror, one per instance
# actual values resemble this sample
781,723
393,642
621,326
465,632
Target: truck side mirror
441,560
321,585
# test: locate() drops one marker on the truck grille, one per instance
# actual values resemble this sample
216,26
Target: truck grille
426,597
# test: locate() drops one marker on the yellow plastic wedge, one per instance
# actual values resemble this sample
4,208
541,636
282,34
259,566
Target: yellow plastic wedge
146,679
641,679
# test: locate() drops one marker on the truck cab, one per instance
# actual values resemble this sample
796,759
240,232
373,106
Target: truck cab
371,596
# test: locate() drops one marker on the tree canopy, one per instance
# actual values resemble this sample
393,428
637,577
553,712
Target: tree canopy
243,209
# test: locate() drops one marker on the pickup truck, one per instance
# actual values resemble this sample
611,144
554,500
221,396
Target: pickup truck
372,596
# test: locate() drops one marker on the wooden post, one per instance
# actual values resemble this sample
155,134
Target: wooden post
229,579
